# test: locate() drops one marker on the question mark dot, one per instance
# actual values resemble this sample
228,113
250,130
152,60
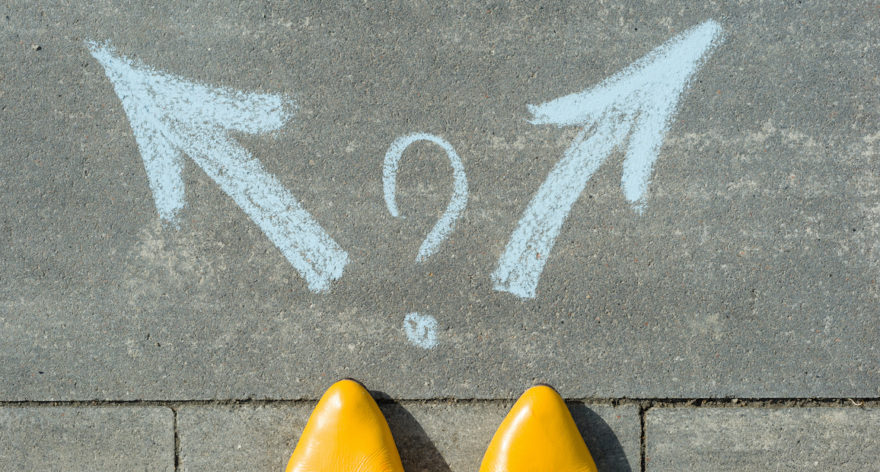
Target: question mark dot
421,330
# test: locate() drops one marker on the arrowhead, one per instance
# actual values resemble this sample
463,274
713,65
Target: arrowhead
175,99
663,71
643,97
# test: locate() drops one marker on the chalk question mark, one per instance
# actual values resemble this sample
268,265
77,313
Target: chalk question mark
420,329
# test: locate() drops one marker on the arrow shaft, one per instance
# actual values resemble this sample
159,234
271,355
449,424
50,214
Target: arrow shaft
522,262
311,251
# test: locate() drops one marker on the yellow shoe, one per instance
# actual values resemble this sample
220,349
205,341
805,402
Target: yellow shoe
346,433
538,435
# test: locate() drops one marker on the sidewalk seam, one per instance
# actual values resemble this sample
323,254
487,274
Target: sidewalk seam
643,436
176,440
841,402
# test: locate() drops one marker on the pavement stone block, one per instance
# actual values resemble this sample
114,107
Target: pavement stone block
237,438
86,439
430,436
762,439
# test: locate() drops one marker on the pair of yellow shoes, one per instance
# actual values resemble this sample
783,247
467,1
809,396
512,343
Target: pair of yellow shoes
347,433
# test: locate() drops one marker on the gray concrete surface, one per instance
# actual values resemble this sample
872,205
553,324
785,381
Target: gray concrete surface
433,436
86,439
760,439
751,273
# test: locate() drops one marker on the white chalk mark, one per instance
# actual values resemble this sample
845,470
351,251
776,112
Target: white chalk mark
637,102
421,330
170,117
457,203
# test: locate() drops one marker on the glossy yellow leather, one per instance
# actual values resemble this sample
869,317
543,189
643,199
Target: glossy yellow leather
538,435
346,433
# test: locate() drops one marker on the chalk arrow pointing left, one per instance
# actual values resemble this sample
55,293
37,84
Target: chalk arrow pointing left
171,117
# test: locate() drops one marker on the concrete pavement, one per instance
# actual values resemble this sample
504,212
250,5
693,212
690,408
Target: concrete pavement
749,270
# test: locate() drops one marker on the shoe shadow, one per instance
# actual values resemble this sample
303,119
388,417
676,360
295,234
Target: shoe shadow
417,452
600,438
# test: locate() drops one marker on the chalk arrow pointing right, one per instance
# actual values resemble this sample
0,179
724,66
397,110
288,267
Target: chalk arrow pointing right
171,117
636,103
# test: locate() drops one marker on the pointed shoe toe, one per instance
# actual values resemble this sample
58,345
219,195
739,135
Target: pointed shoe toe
346,433
538,435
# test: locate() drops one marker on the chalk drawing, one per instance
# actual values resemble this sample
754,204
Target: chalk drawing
457,203
171,117
637,104
421,330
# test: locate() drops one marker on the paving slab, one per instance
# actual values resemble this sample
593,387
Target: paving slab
86,439
747,267
432,436
778,439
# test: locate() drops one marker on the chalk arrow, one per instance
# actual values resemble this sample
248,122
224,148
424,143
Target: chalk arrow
171,117
637,104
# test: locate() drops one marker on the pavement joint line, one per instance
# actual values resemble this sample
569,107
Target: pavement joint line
643,403
176,439
643,437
